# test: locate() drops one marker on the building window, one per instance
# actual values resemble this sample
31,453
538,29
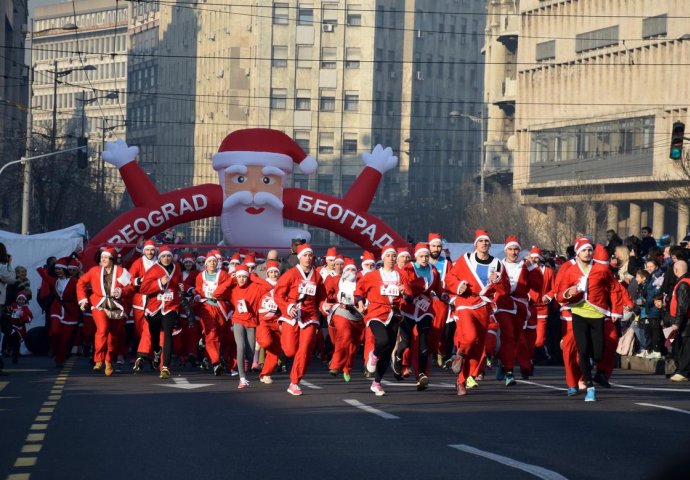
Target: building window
351,102
654,26
278,98
347,181
603,37
280,13
328,57
305,14
302,100
304,56
326,142
354,15
325,184
327,101
280,53
330,14
352,57
546,50
349,144
302,139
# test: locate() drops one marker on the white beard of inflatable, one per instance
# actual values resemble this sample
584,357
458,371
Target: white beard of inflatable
256,222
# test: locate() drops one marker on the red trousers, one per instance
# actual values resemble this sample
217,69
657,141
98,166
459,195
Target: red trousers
511,325
542,317
141,330
346,341
62,336
369,343
214,330
608,361
435,339
108,332
268,338
570,357
298,343
469,338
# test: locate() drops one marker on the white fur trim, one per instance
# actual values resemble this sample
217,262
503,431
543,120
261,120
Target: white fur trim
270,269
241,169
242,272
583,246
421,250
271,170
436,240
511,244
306,250
223,160
386,250
482,237
308,165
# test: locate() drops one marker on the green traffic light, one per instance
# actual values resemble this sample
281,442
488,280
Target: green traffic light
676,153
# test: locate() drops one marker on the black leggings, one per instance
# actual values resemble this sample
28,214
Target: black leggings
589,338
385,336
407,326
167,323
654,334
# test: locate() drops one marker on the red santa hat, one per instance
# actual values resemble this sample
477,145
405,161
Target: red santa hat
601,255
434,238
250,260
481,235
304,249
535,252
74,264
23,294
512,241
109,252
349,263
581,243
272,265
164,250
211,256
386,249
149,244
420,248
235,258
200,258
264,147
187,258
367,257
242,269
404,251
62,263
331,253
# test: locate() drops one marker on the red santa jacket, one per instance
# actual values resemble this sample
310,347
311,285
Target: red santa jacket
137,272
522,278
536,296
164,298
340,295
206,288
94,278
21,315
384,297
599,284
421,290
268,310
300,290
64,306
245,301
477,294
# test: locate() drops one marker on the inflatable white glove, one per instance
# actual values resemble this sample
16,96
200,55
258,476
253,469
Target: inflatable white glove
119,154
380,159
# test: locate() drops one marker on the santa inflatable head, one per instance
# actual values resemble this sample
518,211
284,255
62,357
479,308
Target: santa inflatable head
252,166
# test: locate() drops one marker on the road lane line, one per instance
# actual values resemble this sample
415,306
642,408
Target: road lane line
525,467
31,448
664,407
310,385
388,383
3,385
180,381
25,461
561,389
651,389
35,437
369,409
19,476
39,426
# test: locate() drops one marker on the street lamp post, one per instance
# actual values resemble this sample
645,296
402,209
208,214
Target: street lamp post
482,161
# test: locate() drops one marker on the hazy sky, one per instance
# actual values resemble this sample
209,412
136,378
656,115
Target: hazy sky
39,3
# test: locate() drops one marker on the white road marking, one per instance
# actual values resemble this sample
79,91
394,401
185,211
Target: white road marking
651,389
388,383
561,389
183,384
3,385
310,385
525,467
368,409
664,407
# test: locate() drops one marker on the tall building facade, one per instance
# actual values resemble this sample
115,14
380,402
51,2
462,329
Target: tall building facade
599,85
13,107
338,77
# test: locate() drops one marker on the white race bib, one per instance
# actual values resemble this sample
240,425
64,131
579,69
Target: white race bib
346,299
269,304
241,307
422,303
390,289
307,288
165,297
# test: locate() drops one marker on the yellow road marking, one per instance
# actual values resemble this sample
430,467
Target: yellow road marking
47,410
19,476
39,426
55,397
49,404
42,418
25,462
35,437
35,448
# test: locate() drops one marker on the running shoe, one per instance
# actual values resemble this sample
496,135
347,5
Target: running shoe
206,364
591,395
457,364
479,377
422,382
654,356
266,379
346,376
396,366
156,359
98,366
510,379
471,382
500,373
294,389
371,362
333,372
677,377
461,390
234,373
572,391
138,365
244,383
377,389
165,373
217,369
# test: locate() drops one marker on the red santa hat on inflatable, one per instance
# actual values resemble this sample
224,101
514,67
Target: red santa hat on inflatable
331,253
434,238
420,248
264,147
304,249
581,243
512,241
481,235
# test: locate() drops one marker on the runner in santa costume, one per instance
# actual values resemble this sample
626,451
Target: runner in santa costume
518,326
343,314
21,315
268,332
437,334
384,292
403,258
162,284
298,294
107,282
191,329
64,309
590,291
368,265
213,313
328,270
245,297
141,329
480,283
568,346
423,281
540,300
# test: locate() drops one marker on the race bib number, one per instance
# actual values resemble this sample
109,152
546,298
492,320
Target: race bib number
390,289
242,307
346,299
16,314
307,288
269,304
422,303
165,297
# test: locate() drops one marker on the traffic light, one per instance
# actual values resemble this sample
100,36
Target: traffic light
677,137
83,154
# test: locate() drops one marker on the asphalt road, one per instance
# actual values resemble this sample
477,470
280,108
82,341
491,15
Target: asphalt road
76,424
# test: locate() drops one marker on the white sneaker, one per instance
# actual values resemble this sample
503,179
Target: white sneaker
371,362
654,355
377,389
266,379
244,383
642,354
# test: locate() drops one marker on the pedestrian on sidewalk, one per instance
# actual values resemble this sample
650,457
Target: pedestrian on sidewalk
680,312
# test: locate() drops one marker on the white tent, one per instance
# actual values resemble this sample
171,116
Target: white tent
31,251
